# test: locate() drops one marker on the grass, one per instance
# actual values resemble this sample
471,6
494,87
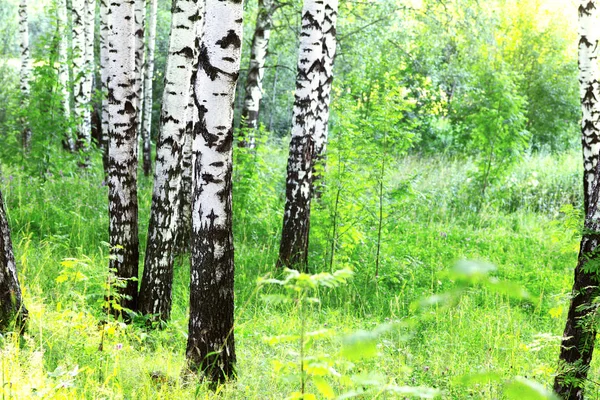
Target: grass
433,218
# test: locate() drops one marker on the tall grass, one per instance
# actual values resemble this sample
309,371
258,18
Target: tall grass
432,220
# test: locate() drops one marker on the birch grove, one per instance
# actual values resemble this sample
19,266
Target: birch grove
147,89
13,312
122,148
579,338
210,347
26,69
293,251
256,71
155,294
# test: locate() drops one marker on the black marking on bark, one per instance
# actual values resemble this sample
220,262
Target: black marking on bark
231,39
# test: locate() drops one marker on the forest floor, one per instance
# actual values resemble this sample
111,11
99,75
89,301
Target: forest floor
472,339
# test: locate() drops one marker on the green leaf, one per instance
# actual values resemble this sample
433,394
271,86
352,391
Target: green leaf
359,345
324,387
524,389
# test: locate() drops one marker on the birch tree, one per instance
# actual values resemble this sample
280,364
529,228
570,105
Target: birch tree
580,331
122,148
293,250
12,309
185,217
89,29
81,84
147,100
140,59
155,294
210,347
325,79
63,67
25,73
256,71
104,62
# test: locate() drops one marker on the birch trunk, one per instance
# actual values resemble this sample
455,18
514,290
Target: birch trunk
256,72
325,79
104,61
185,227
580,332
122,150
140,21
89,28
148,77
293,251
12,309
155,294
63,68
211,347
25,72
589,89
80,64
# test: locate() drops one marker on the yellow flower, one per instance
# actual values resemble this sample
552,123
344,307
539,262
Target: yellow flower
556,312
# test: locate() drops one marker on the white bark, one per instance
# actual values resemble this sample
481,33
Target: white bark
122,150
256,70
294,240
589,36
89,28
63,67
104,61
82,64
155,296
25,68
186,178
326,77
210,347
24,47
148,79
140,21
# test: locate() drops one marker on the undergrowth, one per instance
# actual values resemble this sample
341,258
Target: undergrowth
416,323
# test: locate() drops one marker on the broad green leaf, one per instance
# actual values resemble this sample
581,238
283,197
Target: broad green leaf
324,387
525,389
361,344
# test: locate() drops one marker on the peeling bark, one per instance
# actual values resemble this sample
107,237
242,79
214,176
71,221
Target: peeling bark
148,79
210,347
256,71
122,149
12,309
293,251
580,333
156,289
